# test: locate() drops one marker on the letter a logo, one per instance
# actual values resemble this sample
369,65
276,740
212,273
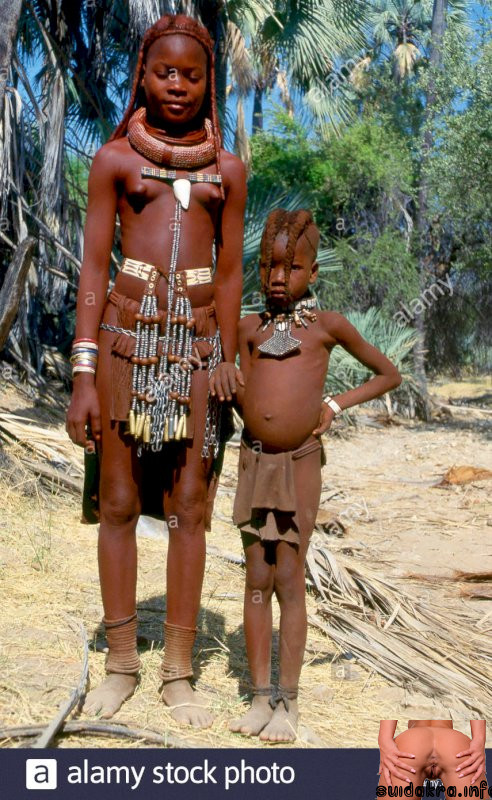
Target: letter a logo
41,773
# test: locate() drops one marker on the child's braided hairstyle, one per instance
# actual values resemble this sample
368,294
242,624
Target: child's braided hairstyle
296,223
167,25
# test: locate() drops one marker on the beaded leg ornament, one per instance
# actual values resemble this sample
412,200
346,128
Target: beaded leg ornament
161,387
144,362
281,342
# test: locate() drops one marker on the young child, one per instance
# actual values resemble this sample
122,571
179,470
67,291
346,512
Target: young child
284,355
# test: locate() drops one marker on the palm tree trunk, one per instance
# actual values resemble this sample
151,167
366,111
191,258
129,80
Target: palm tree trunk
423,224
258,109
213,17
9,14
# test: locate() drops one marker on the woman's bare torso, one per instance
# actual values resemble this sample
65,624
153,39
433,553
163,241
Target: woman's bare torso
283,396
146,209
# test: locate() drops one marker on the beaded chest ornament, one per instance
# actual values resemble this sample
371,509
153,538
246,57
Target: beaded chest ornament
161,386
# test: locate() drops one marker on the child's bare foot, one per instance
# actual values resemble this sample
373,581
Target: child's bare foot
255,719
187,706
283,724
106,699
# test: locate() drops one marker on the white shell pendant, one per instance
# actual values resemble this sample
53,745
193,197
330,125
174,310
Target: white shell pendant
182,191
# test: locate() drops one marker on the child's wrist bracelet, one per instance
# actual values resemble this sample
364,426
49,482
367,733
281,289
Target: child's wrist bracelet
333,404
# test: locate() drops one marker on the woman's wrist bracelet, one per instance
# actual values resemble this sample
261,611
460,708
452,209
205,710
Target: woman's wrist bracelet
84,356
81,368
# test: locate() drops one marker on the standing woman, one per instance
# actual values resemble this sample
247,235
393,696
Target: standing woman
141,376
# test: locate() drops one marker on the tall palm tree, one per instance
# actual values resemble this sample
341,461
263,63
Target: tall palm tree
298,45
402,30
400,27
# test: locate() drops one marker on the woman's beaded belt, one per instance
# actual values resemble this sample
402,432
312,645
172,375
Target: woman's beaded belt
194,277
105,326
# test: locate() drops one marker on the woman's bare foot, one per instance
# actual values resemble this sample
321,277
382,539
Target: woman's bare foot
255,719
283,724
187,706
106,699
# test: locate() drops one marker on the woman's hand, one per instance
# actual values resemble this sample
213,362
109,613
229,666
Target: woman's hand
390,762
83,409
326,417
225,380
475,763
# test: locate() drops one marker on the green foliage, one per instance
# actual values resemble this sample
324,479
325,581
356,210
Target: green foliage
283,156
368,169
381,272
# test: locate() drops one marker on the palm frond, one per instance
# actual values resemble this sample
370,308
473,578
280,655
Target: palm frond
405,57
143,13
393,630
239,59
249,15
241,140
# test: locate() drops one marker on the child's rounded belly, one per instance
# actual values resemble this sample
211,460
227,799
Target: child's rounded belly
280,420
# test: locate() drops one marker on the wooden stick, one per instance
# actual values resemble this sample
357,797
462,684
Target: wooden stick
13,286
466,408
99,729
57,722
56,475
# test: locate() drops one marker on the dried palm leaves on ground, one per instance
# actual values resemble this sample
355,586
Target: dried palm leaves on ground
44,451
410,641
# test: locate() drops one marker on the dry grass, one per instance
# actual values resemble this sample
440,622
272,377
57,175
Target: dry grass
48,569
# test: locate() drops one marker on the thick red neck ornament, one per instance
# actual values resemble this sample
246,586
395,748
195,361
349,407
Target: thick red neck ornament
196,150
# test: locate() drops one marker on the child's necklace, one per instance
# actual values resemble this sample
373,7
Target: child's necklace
281,342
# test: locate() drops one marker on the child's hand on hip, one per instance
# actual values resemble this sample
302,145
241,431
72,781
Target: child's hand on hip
326,416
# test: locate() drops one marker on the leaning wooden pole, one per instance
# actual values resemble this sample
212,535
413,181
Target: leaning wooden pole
13,286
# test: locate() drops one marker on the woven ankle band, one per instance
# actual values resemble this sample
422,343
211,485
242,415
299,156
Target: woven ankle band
178,645
262,691
280,694
121,635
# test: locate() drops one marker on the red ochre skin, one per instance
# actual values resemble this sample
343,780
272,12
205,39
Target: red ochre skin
282,407
175,73
435,747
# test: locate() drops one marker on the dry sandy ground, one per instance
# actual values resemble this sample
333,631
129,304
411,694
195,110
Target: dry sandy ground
382,478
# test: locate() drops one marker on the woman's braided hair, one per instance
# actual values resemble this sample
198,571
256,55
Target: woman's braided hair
296,223
167,25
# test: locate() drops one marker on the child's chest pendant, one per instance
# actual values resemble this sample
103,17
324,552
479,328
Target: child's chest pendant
281,342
